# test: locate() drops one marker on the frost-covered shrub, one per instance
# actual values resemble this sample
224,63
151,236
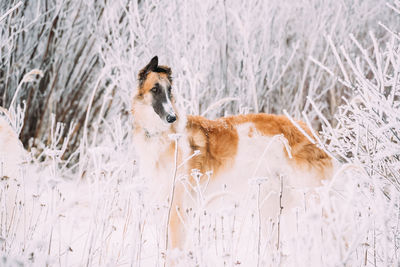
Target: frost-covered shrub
365,206
367,131
59,38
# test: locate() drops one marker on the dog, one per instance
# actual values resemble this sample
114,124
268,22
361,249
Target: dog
236,149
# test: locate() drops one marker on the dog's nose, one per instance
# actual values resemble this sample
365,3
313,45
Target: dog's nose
171,118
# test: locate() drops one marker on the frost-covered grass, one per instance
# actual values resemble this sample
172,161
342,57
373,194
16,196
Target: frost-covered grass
228,56
91,208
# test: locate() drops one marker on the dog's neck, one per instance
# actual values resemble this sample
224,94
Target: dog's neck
151,129
150,134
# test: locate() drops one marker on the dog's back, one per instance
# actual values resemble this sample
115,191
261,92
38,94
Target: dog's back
254,139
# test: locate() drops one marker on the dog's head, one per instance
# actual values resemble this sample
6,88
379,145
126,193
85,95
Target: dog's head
154,94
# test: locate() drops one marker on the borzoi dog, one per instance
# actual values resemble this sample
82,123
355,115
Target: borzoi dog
236,149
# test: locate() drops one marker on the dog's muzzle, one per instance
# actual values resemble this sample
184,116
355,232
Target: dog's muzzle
171,118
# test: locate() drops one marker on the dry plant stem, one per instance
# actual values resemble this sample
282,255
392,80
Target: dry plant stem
366,252
171,198
11,10
259,225
140,229
278,137
89,107
298,126
280,211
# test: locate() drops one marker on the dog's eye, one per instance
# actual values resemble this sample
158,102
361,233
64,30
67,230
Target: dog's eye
154,90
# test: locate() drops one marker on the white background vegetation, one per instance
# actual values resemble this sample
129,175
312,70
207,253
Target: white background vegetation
77,200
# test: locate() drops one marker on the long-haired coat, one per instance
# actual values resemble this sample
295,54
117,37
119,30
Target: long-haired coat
235,149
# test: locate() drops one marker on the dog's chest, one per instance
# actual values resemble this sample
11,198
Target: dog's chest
150,151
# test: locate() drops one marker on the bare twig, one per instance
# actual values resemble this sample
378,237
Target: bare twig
11,10
172,195
280,211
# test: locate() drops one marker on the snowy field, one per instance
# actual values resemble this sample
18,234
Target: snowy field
68,69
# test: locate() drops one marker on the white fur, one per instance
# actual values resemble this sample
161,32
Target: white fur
158,171
168,106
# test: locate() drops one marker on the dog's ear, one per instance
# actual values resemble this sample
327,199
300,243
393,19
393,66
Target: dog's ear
153,64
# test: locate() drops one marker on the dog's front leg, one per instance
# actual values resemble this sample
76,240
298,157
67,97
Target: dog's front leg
176,227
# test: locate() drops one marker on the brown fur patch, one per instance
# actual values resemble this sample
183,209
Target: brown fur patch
251,132
216,140
151,79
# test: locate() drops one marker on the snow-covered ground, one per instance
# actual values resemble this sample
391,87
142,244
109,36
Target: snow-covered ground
333,64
